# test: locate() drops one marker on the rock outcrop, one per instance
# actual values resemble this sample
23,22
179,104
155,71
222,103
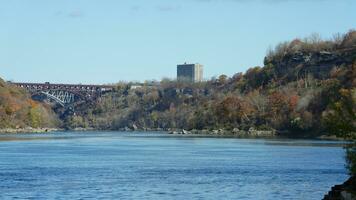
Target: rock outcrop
295,65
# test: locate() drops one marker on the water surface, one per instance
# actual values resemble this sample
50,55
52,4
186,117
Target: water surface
116,165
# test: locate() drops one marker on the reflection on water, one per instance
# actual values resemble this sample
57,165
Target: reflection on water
114,165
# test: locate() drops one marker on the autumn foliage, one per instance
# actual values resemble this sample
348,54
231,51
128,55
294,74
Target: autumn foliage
18,110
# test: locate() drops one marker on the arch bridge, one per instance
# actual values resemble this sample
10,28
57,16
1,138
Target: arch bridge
65,94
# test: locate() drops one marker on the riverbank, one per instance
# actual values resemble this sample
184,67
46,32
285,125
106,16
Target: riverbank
223,132
28,130
251,133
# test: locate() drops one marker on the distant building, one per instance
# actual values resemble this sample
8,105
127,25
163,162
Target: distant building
134,87
190,72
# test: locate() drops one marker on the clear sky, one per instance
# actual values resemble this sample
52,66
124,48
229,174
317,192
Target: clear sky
105,41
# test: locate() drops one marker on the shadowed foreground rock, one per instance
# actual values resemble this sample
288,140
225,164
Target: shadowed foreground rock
346,191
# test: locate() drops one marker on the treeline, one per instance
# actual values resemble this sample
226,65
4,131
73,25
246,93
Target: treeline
18,110
306,87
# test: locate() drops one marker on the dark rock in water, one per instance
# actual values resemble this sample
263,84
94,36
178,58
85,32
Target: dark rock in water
346,191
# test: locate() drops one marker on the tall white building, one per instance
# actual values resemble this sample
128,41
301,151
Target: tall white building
190,72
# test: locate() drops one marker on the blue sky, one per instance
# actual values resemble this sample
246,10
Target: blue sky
105,41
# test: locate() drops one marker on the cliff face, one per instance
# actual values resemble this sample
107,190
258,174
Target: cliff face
297,59
18,110
318,64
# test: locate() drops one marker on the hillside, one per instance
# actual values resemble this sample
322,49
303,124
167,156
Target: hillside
305,88
17,110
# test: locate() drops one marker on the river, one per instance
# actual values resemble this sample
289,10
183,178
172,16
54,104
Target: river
149,165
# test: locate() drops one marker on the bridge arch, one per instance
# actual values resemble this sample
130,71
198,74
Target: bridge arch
62,97
56,99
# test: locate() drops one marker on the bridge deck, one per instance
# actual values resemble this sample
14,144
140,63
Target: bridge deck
69,87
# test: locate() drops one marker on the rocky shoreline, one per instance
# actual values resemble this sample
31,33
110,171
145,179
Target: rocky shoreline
223,132
28,130
251,133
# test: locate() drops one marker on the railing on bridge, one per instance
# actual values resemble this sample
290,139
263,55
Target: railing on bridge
67,87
